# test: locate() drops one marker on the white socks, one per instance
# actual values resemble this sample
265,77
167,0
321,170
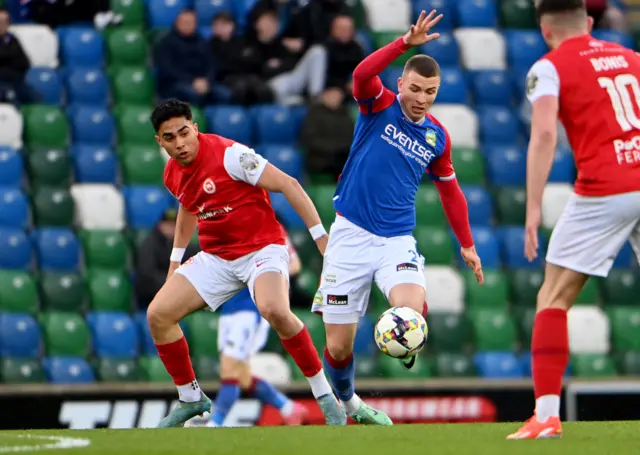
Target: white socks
319,385
287,409
351,406
189,393
547,406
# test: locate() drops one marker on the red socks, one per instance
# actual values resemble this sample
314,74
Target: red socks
425,310
549,351
300,347
175,357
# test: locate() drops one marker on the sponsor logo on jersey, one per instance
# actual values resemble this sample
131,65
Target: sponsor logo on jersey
430,136
615,62
627,152
317,300
212,213
249,161
337,300
409,147
330,278
209,187
407,266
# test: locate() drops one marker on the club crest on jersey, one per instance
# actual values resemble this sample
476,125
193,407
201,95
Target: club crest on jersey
532,83
209,187
430,137
249,161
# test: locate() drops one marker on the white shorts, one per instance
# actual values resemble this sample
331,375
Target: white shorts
242,334
217,280
353,260
592,231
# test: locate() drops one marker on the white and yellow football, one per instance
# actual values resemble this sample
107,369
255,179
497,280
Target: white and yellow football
401,332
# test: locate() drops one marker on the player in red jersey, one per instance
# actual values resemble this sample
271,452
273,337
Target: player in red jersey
592,86
222,187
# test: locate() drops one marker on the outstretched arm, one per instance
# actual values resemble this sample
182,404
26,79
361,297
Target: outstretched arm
186,225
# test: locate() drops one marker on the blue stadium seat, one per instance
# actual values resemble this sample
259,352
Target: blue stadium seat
445,7
14,207
87,86
46,85
480,205
299,113
524,48
274,124
92,125
445,49
563,170
498,365
487,246
284,210
518,80
11,167
162,13
626,258
147,346
232,122
19,335
498,125
477,13
114,334
284,157
364,39
82,47
621,38
206,10
145,205
390,77
506,166
491,88
364,344
512,248
15,249
68,370
205,31
94,164
453,87
57,249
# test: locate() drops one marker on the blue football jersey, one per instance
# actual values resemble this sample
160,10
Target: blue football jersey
388,158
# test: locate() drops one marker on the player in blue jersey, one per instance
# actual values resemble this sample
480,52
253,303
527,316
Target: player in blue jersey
242,333
395,143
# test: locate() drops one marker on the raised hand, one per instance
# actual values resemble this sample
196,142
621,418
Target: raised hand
418,34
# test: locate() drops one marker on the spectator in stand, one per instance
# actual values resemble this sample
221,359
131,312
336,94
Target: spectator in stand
14,65
606,14
327,153
238,64
344,53
185,66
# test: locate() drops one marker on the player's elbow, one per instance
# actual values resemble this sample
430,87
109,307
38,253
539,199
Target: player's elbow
289,185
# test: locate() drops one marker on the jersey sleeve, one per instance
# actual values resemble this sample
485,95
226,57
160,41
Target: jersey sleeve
441,169
244,164
542,80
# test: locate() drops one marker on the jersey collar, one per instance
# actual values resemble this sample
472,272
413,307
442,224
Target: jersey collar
419,122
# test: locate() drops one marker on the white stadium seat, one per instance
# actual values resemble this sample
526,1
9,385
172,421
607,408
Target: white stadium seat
461,122
588,330
445,289
40,43
554,199
11,125
98,206
384,15
481,48
272,368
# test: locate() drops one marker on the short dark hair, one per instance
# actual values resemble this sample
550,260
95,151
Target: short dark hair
558,6
168,109
424,65
224,16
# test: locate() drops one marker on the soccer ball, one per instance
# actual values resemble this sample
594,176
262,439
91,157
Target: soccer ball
401,332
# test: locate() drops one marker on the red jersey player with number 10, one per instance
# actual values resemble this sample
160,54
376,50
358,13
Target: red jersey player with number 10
592,86
222,187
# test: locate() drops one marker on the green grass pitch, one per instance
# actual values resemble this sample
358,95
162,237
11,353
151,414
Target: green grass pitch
584,438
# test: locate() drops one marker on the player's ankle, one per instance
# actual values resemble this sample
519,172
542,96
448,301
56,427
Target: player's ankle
352,405
190,393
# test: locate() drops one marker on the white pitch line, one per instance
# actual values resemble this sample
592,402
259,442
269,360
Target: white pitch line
59,443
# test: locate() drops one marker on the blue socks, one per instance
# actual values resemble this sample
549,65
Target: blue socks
227,395
342,374
268,394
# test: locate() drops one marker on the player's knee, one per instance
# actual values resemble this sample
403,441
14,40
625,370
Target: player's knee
339,350
408,295
230,368
158,317
278,315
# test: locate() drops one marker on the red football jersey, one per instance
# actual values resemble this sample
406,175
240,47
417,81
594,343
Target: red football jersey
235,217
598,86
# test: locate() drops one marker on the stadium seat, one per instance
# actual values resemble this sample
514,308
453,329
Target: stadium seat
45,84
53,206
113,334
285,158
624,39
629,363
162,13
49,167
626,258
65,334
104,249
274,124
18,293
452,365
367,367
460,121
491,88
206,368
39,42
288,215
446,289
525,316
498,365
498,125
554,199
94,164
11,167
68,370
444,50
147,345
506,165
315,326
11,126
621,287
444,7
453,88
494,329
510,205
388,14
487,245
143,166
56,249
563,169
448,332
133,124
232,122
20,371
480,205
132,11
524,48
625,321
99,206
477,13
152,369
593,365
45,126
109,290
518,14
322,196
390,78
14,208
364,344
127,47
132,86
82,47
19,335
385,36
512,247
202,328
390,368
525,284
62,291
144,205
92,125
589,330
118,370
481,48
87,86
429,210
15,249
306,247
435,244
494,293
206,10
